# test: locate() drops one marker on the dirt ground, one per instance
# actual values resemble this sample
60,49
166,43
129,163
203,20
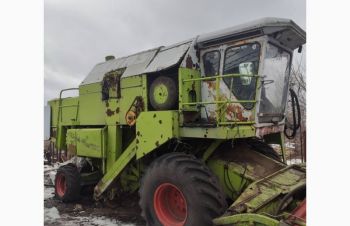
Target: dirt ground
122,212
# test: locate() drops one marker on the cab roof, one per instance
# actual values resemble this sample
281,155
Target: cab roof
285,31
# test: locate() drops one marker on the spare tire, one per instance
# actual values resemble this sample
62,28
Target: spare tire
163,93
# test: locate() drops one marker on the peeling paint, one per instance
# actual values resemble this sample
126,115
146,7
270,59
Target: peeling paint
189,62
109,112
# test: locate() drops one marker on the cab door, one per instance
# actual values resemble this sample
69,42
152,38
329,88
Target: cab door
210,67
229,98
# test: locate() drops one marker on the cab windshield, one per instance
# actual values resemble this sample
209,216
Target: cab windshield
243,60
274,92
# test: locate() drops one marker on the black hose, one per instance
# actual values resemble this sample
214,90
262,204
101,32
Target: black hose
296,122
301,188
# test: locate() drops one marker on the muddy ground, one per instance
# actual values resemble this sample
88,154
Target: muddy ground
124,211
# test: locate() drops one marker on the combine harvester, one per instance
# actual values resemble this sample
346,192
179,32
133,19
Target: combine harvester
188,126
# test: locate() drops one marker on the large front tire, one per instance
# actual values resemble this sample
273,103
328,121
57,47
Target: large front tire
179,190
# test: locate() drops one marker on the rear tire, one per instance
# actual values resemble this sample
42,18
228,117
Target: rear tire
67,183
179,190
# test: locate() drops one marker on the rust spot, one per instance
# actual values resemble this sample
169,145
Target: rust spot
160,121
117,110
189,62
211,85
262,131
137,141
157,143
72,148
235,111
251,117
71,151
109,112
138,133
107,104
205,135
154,115
161,135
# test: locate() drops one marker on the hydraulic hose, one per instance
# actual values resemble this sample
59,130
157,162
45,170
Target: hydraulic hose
301,188
296,120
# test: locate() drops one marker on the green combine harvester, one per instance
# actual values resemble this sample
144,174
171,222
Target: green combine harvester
189,126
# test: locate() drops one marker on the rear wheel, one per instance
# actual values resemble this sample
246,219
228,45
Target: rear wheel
179,190
67,183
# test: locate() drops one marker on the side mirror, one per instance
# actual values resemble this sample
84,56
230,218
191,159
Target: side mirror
300,49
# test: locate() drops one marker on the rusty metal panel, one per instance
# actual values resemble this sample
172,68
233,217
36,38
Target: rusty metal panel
168,56
144,62
134,64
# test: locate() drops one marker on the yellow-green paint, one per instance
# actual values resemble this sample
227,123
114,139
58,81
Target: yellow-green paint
220,132
91,106
160,93
247,219
147,139
188,88
115,169
114,145
131,87
88,142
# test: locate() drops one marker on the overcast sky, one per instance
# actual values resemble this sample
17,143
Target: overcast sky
80,33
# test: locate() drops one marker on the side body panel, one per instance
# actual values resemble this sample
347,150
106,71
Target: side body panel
91,106
87,142
154,129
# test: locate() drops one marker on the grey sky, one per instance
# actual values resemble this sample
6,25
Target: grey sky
80,33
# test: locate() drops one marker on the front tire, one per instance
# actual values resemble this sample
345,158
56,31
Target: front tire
179,190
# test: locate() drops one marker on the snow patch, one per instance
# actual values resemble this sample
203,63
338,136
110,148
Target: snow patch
290,145
294,161
49,192
69,220
51,214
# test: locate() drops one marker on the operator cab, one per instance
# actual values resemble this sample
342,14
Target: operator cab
245,71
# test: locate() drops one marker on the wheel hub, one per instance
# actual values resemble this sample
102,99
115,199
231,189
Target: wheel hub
170,205
160,94
61,185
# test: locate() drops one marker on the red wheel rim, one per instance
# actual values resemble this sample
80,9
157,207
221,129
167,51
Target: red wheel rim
170,205
61,185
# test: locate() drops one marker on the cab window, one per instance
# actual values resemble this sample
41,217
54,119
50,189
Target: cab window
211,63
242,60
